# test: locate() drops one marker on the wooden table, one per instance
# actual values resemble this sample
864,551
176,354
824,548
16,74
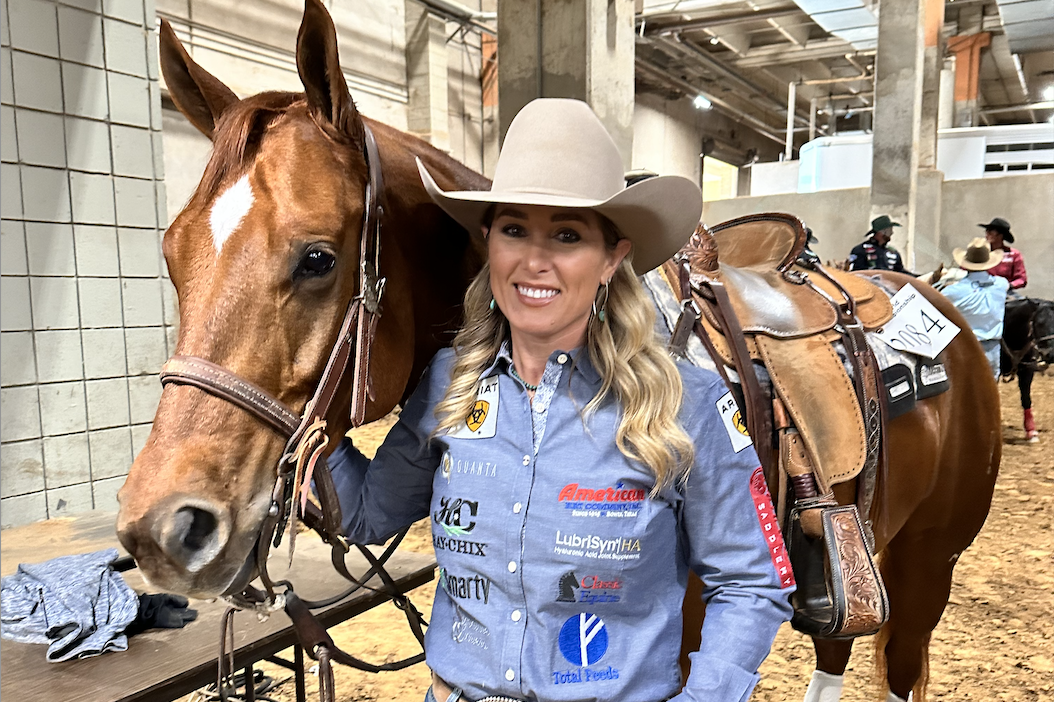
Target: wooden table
163,664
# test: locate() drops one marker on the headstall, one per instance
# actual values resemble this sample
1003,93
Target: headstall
303,462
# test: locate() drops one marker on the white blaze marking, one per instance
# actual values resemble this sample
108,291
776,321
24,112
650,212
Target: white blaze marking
229,210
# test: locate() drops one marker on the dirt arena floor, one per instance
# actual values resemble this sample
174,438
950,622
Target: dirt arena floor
995,641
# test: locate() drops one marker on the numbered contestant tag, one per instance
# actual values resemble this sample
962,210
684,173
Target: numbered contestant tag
917,326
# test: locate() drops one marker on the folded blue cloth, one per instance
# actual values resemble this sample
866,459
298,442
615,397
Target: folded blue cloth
78,605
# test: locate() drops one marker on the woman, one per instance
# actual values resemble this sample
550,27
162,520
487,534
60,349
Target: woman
1011,263
569,488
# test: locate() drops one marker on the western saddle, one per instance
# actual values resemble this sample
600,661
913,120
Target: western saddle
770,317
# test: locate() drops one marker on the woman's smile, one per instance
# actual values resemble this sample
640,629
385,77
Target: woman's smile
535,295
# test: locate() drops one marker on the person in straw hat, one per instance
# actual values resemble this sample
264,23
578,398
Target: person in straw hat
981,296
571,472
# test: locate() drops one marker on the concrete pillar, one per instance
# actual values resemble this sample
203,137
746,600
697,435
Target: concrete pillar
897,118
426,76
967,50
569,48
926,201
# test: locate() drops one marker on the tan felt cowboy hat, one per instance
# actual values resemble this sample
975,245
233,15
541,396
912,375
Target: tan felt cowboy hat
978,256
557,153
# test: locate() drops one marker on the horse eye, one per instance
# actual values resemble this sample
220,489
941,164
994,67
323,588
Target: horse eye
315,264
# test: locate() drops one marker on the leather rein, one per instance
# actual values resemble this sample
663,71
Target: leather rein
303,461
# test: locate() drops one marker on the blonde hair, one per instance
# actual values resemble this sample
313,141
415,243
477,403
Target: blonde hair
632,362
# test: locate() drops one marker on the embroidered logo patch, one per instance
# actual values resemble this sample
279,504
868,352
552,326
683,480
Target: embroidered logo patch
591,589
583,639
770,528
618,501
599,547
483,418
732,418
455,515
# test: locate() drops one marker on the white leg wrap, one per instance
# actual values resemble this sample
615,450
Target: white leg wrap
890,697
824,687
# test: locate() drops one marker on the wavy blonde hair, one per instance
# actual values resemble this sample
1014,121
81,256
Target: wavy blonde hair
632,362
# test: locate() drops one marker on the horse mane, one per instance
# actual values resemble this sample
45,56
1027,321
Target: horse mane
238,133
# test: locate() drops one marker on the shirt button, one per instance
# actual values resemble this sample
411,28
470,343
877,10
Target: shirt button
516,615
510,675
561,359
526,460
517,507
512,566
538,408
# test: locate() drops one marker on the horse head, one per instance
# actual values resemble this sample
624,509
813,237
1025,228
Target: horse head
265,258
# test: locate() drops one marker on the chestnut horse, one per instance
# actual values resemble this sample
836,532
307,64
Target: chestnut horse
264,258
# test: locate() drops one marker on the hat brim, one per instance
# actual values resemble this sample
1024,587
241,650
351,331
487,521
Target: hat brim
657,215
1007,236
960,260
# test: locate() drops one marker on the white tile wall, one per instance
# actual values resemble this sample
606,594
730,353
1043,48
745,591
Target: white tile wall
96,250
128,10
45,194
111,452
34,27
107,403
7,95
129,99
22,465
8,137
104,492
146,350
92,195
40,138
80,37
136,206
37,81
54,303
140,253
62,408
50,249
66,460
104,353
142,302
18,364
132,152
125,47
100,302
144,392
21,416
66,501
12,248
140,433
15,310
22,509
58,355
88,145
11,193
85,92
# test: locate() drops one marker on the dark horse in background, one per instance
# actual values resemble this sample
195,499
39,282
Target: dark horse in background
265,259
1028,346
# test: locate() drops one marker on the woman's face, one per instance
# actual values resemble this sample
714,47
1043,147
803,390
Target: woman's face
546,265
995,238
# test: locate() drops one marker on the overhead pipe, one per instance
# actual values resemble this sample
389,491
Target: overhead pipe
1044,105
700,56
464,15
690,90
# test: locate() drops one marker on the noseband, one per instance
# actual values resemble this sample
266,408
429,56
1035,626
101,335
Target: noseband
307,439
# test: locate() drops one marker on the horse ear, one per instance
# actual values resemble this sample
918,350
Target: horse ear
198,94
319,66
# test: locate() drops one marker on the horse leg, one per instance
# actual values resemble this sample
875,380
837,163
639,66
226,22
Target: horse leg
1024,384
831,659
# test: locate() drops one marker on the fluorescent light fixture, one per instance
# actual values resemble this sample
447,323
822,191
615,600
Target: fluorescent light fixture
702,103
1048,93
714,40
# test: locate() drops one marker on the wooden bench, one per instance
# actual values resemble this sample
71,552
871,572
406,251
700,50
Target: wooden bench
164,664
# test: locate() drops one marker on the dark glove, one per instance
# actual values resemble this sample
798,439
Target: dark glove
161,611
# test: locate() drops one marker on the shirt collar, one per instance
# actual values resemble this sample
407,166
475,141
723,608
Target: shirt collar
579,357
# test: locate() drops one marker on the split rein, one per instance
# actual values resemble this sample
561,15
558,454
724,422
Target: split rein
303,462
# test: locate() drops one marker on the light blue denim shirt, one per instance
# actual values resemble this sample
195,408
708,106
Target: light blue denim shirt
560,578
981,298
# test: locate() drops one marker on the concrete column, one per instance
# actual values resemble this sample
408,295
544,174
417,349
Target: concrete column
426,76
897,118
569,48
967,50
926,201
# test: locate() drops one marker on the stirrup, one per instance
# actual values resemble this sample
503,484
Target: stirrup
840,592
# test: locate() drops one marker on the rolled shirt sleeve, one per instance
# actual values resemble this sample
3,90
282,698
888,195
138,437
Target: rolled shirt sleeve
734,545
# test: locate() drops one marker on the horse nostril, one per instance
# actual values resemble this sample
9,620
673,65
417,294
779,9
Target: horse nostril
193,535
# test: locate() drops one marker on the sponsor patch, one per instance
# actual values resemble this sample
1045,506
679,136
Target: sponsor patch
468,630
475,587
583,641
599,547
455,515
483,418
589,589
770,528
933,374
470,548
735,425
618,501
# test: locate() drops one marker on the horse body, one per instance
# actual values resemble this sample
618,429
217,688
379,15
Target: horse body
264,259
1028,346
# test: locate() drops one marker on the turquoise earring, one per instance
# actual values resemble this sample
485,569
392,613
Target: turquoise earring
492,303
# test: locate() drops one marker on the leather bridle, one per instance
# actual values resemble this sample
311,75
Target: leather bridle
302,462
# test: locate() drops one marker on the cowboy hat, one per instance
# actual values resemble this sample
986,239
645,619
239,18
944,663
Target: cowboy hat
882,222
558,154
1002,226
978,256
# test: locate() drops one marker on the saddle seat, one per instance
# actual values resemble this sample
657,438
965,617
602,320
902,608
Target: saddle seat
789,317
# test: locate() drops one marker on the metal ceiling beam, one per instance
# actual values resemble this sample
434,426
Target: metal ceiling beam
659,74
654,26
780,54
